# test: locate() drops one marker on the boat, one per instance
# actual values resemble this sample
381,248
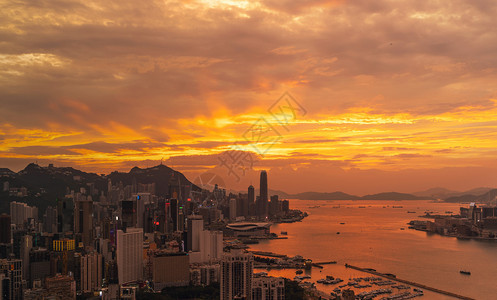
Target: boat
299,272
397,206
284,233
338,232
411,212
465,272
342,223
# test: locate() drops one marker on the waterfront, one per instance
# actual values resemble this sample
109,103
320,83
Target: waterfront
371,237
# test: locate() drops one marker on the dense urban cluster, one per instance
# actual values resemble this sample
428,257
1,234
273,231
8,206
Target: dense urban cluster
123,241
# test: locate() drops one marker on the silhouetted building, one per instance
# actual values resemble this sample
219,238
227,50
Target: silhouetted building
285,205
128,213
65,215
5,233
274,205
83,220
173,207
262,206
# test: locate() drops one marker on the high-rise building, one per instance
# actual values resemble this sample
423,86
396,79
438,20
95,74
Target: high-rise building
285,205
262,206
251,197
91,272
26,245
21,212
274,205
5,231
83,220
195,228
12,268
50,220
128,213
236,275
65,215
232,204
130,255
268,288
173,207
39,264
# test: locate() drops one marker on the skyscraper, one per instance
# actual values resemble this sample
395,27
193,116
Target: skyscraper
251,200
236,275
130,255
83,220
263,200
5,234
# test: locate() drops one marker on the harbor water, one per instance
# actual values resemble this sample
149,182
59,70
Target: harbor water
375,234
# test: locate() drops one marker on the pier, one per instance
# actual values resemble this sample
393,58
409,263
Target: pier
390,277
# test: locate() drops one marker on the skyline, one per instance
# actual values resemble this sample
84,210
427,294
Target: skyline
397,96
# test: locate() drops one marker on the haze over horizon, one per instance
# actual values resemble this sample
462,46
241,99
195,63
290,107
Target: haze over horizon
388,96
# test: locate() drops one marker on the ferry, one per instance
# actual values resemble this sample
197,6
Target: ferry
465,272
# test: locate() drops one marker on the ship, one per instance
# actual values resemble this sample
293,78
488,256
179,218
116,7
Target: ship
465,272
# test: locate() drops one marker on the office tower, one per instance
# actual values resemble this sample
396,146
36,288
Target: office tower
251,197
274,205
236,275
5,233
65,215
91,272
39,264
174,213
195,228
21,212
263,200
83,220
128,213
232,204
268,288
26,245
285,205
142,199
50,220
130,255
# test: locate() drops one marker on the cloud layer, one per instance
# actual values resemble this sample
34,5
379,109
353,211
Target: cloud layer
386,85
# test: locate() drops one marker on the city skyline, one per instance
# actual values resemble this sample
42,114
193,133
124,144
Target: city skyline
398,96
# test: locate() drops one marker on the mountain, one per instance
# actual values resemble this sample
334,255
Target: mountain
324,196
161,175
488,197
45,184
443,193
392,196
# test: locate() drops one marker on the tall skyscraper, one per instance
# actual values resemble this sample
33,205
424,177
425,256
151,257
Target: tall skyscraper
195,228
251,200
274,205
174,213
91,272
236,275
130,255
83,220
263,199
5,234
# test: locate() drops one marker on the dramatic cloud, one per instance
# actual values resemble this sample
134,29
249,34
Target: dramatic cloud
385,85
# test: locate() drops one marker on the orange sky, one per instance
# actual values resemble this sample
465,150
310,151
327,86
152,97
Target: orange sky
391,95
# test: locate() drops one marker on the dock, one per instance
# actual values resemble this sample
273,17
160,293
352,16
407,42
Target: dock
422,286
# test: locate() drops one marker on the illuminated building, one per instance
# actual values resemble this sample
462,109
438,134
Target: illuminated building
130,255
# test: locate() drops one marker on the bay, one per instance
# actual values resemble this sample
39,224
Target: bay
375,235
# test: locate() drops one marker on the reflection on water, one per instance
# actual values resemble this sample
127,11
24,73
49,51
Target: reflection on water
374,234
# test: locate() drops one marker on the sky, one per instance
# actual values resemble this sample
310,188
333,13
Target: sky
354,96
